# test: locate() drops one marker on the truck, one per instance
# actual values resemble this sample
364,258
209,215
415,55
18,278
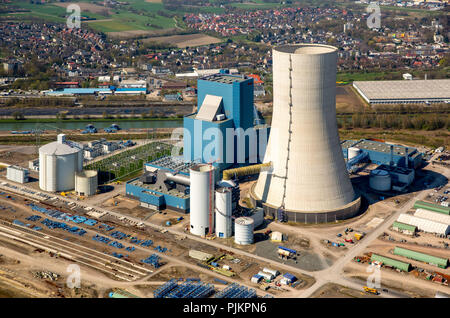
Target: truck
370,290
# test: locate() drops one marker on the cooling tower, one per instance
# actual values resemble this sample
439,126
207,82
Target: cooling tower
308,181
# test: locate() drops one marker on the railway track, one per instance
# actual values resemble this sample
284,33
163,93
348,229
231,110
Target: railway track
108,264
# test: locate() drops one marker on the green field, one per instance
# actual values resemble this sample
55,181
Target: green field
145,17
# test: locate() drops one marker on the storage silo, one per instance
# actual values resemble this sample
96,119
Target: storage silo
201,199
243,230
58,162
86,182
380,180
224,222
308,181
353,152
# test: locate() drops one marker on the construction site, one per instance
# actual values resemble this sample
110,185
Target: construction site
294,212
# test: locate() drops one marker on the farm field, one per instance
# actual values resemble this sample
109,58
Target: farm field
139,15
182,41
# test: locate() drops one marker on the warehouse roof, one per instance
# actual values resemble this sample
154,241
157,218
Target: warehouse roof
433,216
415,89
424,224
441,262
391,262
432,207
404,226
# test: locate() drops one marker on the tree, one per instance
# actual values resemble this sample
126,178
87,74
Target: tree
18,115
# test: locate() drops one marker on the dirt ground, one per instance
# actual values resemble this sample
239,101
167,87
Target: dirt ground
347,100
90,7
184,40
331,290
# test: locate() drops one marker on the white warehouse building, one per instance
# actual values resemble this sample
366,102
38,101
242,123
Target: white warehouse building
424,224
17,174
58,163
433,216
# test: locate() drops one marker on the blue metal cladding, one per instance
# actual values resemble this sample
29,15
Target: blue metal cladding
157,198
237,98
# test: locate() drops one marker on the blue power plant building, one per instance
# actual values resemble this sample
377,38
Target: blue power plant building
219,131
222,132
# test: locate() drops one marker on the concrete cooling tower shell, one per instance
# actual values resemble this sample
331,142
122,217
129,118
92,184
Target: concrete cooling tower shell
308,182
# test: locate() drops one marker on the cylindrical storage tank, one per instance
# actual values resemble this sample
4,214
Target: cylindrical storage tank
201,199
58,162
86,182
258,217
353,152
380,180
243,230
224,223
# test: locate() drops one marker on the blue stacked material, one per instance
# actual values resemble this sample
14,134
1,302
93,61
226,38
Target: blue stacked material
135,240
117,255
191,289
74,229
116,244
82,232
220,281
90,222
152,260
37,228
106,227
101,239
79,219
130,248
33,218
118,235
163,290
236,291
147,243
161,249
192,279
55,225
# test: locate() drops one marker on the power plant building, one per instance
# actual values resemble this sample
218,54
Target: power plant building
308,181
384,154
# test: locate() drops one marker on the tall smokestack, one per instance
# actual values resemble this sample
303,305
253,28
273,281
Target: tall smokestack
309,180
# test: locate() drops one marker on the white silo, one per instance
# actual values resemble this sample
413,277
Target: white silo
201,199
86,182
243,230
308,181
58,162
224,222
353,152
380,180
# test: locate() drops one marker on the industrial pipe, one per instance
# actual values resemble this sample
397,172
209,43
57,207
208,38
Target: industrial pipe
244,171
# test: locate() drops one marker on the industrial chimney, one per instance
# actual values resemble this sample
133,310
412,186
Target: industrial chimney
308,182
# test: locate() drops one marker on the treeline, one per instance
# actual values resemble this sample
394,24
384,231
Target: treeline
37,102
392,121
